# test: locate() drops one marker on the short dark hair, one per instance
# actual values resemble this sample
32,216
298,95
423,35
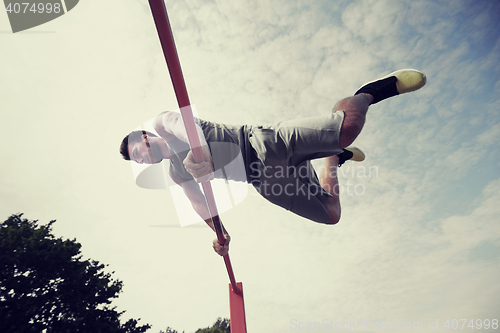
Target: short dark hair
134,136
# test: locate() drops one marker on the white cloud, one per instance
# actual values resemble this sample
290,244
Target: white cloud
399,253
490,137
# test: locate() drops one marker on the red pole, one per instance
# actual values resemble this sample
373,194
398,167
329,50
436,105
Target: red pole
174,67
236,304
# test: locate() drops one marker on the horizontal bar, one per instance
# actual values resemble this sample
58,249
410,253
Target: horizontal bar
165,34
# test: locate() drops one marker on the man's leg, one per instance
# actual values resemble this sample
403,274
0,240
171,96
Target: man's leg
328,180
355,108
302,140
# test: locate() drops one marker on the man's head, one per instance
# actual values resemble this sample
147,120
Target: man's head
142,147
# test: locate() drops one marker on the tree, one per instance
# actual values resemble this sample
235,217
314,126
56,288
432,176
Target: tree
45,286
170,330
220,326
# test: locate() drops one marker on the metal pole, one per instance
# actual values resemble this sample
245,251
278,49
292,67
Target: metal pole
174,67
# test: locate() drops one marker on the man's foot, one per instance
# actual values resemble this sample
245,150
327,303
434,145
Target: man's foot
399,82
351,153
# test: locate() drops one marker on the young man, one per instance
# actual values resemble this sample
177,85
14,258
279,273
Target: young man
276,158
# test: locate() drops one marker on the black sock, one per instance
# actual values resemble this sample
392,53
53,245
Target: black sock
380,89
344,156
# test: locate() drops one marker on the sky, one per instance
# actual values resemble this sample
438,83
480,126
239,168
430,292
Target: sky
419,237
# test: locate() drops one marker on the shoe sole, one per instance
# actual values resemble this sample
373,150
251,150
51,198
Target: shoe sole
358,154
408,80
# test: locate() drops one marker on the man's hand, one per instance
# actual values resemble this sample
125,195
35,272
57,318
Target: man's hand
222,249
202,171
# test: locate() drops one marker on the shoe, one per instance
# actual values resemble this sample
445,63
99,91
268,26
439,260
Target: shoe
351,153
399,82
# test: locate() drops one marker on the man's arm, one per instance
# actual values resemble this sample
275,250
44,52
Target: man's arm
198,201
169,125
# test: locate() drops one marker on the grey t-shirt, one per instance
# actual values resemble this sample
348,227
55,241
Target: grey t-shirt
229,146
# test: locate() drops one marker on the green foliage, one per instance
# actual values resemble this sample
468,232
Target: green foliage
220,326
45,285
210,330
170,330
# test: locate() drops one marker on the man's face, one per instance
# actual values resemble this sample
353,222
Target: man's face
146,150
